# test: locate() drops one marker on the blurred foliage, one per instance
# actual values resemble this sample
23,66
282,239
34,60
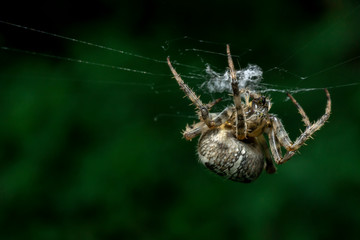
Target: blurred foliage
81,156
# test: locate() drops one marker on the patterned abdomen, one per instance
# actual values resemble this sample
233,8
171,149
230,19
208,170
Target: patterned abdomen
221,152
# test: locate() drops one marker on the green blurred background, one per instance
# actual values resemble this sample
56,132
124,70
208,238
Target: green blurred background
90,152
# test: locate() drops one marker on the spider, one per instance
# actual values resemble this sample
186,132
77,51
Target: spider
232,143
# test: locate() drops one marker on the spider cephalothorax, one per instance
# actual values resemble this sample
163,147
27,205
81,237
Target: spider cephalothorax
232,142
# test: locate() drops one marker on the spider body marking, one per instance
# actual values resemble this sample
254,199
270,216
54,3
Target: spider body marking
232,142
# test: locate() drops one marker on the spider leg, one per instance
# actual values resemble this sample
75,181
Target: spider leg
211,104
278,136
275,146
203,109
222,117
196,129
301,111
269,167
241,127
278,133
310,130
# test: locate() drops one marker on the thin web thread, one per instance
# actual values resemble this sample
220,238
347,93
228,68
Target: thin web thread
93,44
81,61
262,86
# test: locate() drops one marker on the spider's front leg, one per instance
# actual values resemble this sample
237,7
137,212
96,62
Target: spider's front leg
202,108
241,127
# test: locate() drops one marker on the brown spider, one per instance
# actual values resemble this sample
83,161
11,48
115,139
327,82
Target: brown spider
232,143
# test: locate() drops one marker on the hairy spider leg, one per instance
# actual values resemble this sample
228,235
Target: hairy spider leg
278,133
315,126
196,129
241,127
275,146
222,117
305,118
211,104
204,109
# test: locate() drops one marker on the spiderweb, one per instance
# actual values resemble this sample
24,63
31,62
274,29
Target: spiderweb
205,76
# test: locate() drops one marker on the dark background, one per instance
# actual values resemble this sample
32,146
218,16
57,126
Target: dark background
90,152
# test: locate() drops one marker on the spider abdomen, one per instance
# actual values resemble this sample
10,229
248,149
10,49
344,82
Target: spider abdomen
221,152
